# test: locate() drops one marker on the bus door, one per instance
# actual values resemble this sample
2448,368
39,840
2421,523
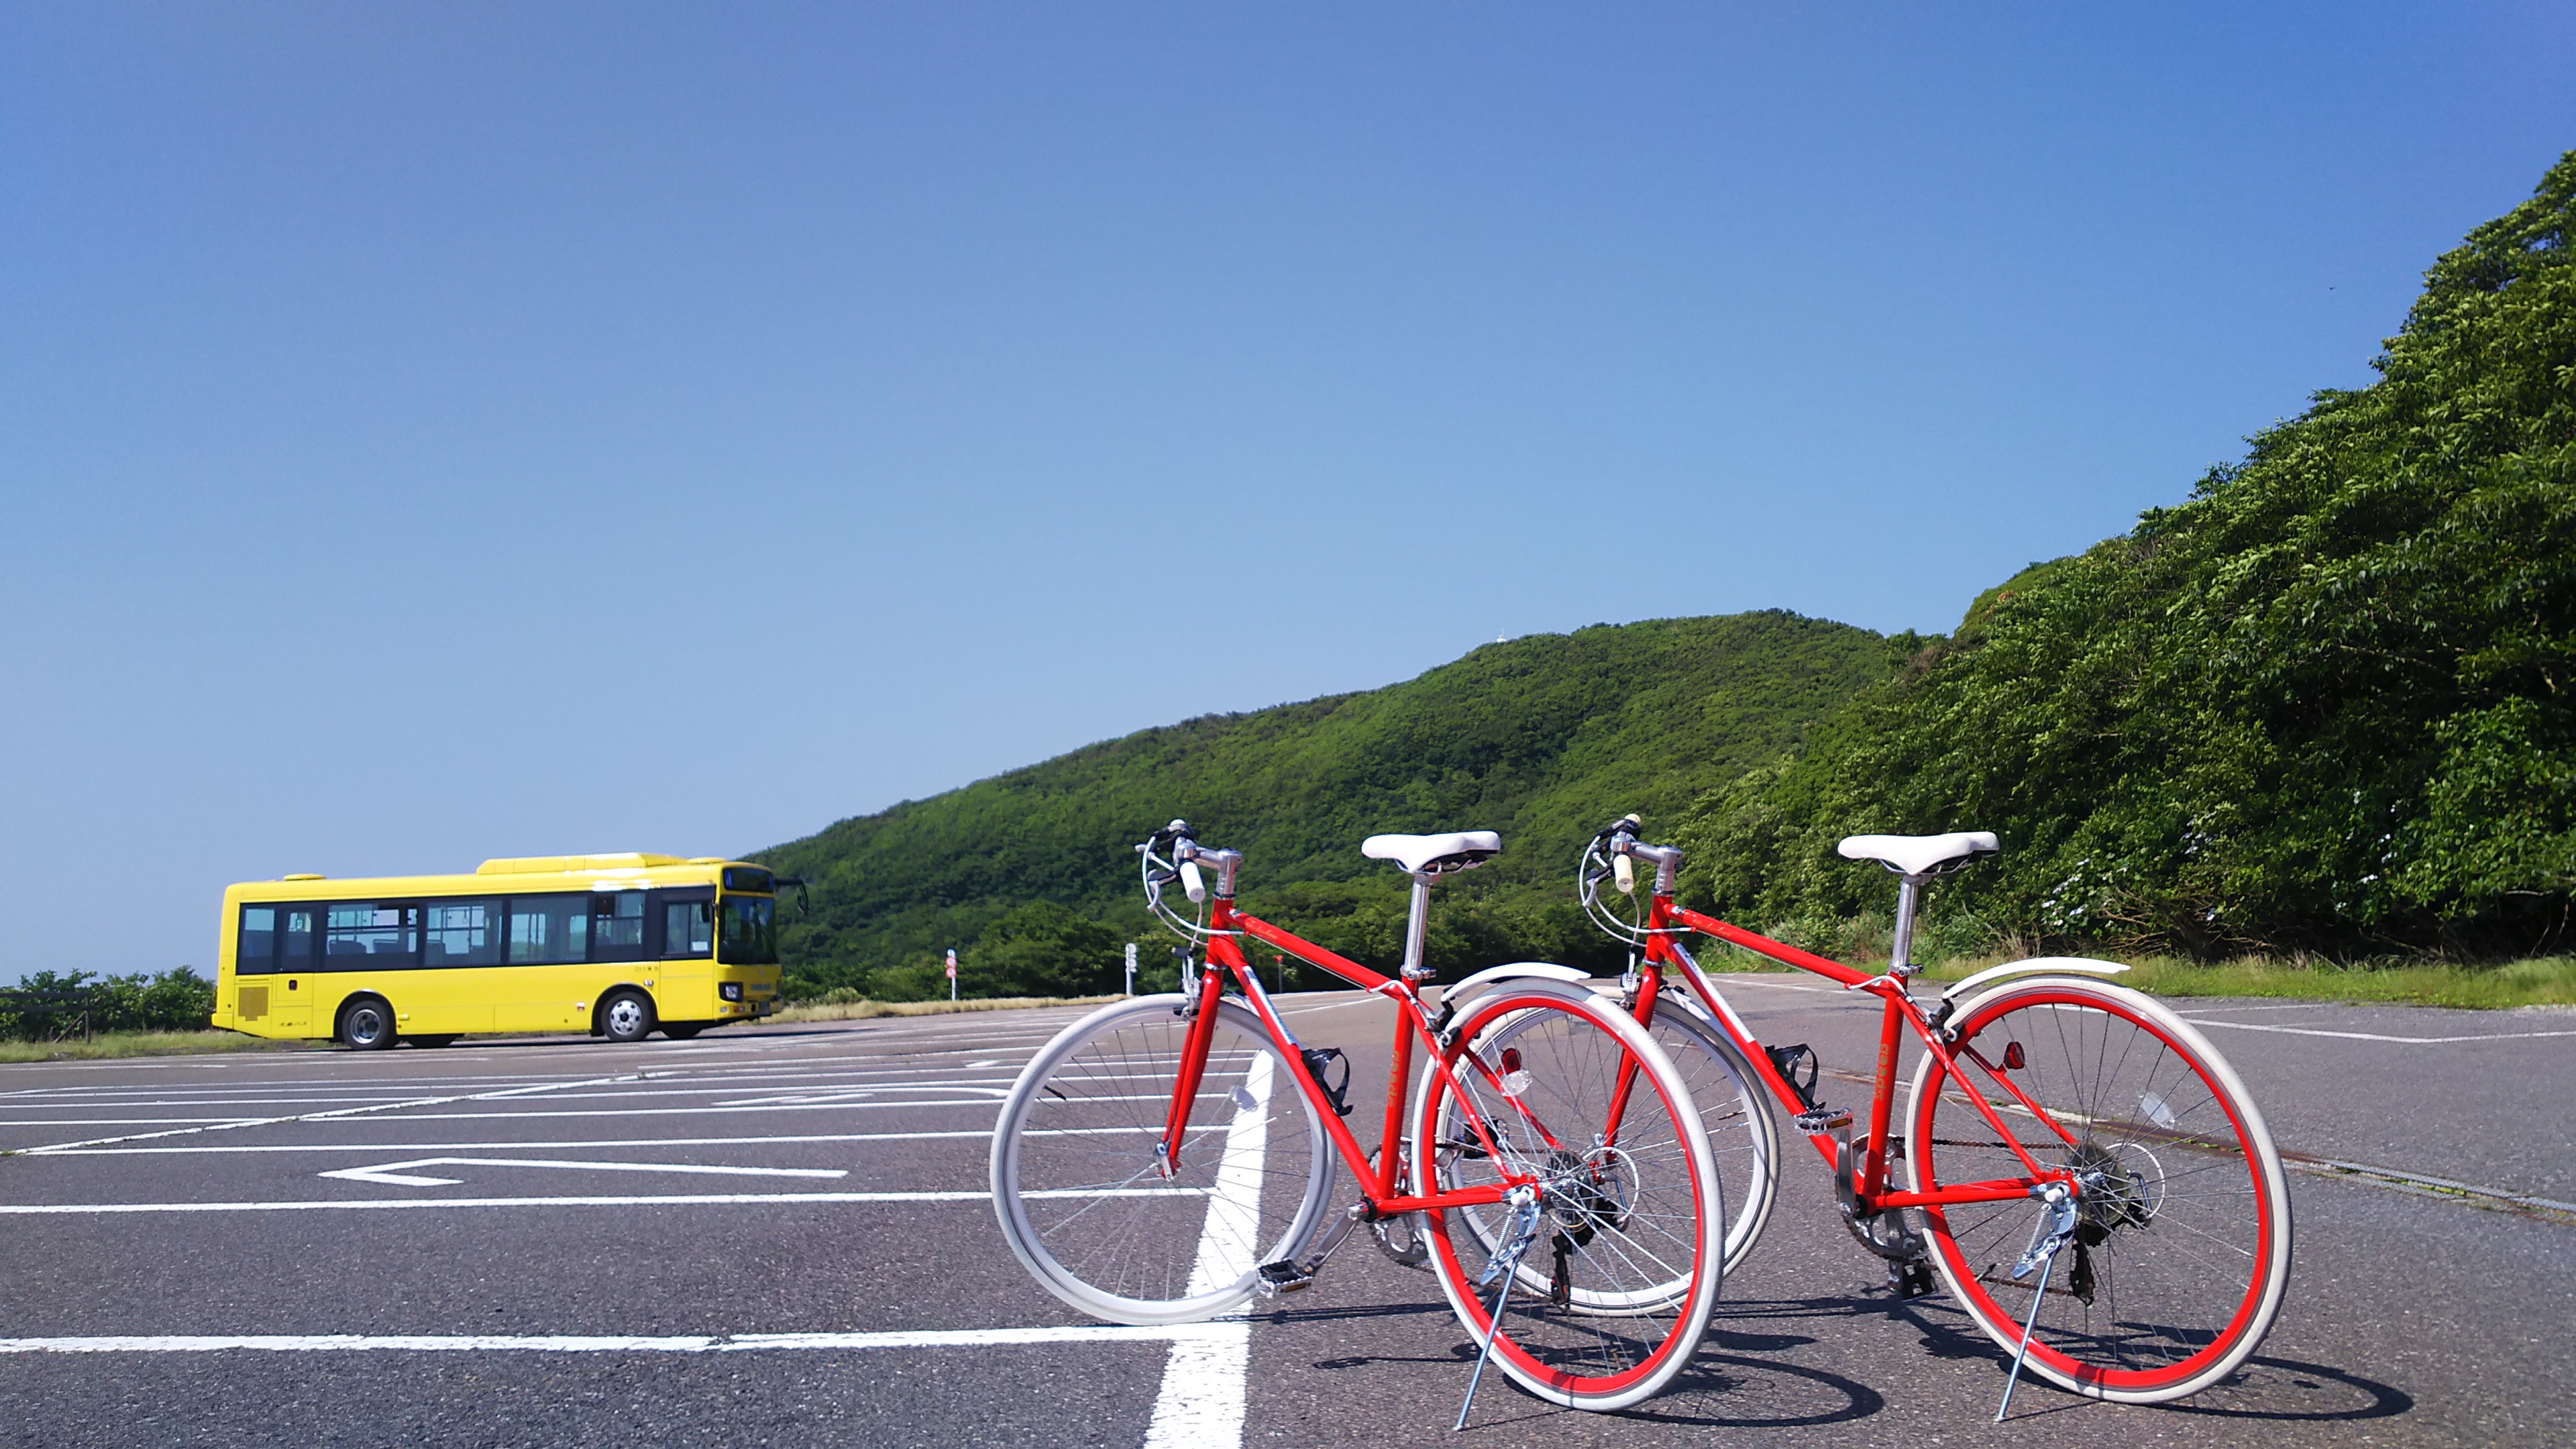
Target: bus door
291,983
460,951
548,986
684,923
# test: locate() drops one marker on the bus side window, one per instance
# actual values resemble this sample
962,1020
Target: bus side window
255,954
688,928
368,935
549,930
617,926
295,948
464,933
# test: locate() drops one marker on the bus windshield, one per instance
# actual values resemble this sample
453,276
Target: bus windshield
748,933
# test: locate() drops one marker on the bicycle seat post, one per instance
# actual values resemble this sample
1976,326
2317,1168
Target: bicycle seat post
1417,930
1909,894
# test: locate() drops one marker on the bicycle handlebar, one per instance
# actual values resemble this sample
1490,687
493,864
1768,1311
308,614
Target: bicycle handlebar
1179,860
1618,840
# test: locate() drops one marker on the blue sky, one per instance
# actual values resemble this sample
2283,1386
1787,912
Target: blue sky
429,433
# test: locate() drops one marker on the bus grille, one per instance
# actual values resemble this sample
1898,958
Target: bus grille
251,1003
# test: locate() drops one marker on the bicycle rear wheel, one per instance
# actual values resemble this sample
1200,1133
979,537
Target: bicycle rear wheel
1743,1142
1628,1204
1076,1180
2182,1248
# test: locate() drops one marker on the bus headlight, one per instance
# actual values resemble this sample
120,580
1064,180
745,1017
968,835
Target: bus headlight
729,990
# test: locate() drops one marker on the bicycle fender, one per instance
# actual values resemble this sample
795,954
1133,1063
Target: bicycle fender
1547,969
2023,968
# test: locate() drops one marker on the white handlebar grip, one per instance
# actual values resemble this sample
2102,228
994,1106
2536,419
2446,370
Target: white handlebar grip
1192,883
1623,872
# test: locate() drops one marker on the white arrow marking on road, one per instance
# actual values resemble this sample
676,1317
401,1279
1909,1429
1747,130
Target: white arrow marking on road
392,1173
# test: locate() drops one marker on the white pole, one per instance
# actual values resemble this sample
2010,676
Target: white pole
1131,968
952,973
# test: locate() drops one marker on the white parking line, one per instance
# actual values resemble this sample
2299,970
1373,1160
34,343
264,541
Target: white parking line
587,1343
2375,1036
1205,1379
976,1134
719,1199
340,1114
392,1173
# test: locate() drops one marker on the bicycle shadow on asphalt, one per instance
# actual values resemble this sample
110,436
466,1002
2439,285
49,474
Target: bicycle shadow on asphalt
2275,1389
1740,1364
1731,1362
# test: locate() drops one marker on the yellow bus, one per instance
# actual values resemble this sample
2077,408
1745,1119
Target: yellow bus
618,946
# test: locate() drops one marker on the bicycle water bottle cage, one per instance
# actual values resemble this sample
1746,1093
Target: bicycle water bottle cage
1786,1060
1317,1059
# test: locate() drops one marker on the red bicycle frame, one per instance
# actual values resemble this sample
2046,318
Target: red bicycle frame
1869,1167
1378,1184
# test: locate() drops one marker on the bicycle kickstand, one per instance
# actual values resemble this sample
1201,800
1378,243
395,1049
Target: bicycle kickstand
2055,1229
1524,1201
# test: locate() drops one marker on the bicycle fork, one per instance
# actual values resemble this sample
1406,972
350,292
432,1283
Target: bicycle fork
2054,1230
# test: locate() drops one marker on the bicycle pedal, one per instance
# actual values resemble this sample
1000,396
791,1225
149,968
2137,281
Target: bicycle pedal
1823,1119
1284,1276
1911,1279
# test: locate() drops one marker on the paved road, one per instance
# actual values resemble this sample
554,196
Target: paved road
781,1236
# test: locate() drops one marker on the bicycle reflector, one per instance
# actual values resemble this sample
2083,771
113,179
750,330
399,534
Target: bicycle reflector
2012,1056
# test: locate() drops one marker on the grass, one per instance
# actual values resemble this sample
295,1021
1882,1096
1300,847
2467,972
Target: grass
860,1008
1951,948
141,1044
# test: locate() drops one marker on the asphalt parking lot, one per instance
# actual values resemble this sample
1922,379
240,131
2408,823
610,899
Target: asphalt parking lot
782,1236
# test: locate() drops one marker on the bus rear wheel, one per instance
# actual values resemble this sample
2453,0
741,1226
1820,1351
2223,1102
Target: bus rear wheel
626,1016
366,1025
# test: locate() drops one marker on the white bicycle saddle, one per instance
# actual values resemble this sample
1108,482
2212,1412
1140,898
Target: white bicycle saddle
1915,854
1457,850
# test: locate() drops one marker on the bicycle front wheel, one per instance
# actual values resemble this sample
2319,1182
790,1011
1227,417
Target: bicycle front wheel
1077,1180
1579,1103
2181,1253
1743,1140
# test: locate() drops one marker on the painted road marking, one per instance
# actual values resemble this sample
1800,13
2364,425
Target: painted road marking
976,1134
1206,1378
226,1125
2375,1036
344,1112
392,1172
587,1343
982,1195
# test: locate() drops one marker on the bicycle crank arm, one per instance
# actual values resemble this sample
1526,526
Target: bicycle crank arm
1290,1276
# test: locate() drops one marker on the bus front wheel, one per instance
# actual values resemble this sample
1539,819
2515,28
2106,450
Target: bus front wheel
366,1025
626,1016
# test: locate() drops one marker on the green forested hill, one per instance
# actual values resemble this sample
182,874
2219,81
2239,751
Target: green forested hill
1541,738
2328,703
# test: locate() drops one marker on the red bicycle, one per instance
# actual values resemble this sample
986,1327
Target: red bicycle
1165,1158
2051,1115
